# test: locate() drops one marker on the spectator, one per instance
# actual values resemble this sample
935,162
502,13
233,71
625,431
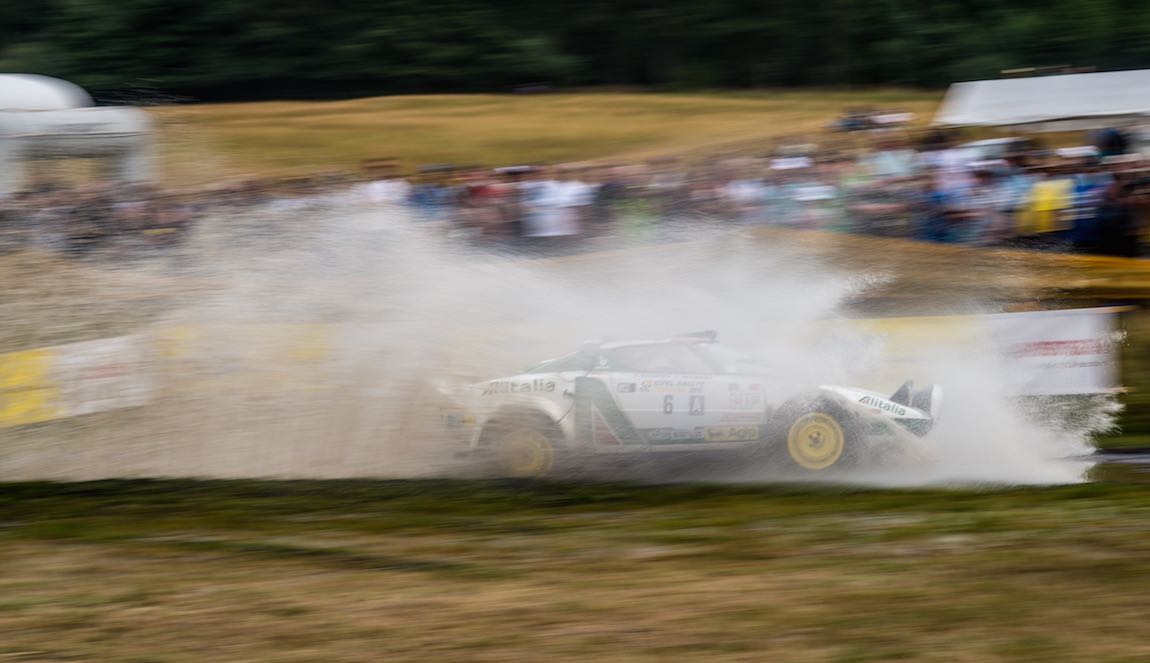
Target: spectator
551,207
988,205
747,195
432,195
1117,224
1045,218
1110,142
383,185
608,195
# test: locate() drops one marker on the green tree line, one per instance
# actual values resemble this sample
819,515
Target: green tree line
245,49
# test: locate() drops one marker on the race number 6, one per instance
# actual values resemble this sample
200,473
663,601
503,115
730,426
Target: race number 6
668,404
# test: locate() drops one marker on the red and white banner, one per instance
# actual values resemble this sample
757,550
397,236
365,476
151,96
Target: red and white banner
104,374
1039,353
1051,353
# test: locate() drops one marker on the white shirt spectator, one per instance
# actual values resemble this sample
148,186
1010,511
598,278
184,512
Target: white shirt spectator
389,191
951,169
551,211
576,193
891,164
745,192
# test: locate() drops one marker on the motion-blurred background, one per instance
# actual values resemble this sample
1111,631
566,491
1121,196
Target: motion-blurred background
247,239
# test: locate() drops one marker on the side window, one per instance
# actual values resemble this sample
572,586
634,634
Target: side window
657,358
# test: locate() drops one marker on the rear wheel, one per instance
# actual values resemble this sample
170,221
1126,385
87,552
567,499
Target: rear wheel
815,437
523,448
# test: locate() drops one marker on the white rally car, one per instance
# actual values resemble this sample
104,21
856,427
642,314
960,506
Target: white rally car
686,393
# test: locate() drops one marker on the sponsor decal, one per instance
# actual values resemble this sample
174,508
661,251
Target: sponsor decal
513,387
626,388
731,433
746,401
673,386
459,420
675,434
883,405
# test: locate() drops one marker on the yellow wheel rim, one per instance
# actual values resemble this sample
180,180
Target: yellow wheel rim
524,452
816,441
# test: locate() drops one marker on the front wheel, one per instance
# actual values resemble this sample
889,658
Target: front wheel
815,438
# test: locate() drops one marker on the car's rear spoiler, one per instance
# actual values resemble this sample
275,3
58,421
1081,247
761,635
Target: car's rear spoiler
926,399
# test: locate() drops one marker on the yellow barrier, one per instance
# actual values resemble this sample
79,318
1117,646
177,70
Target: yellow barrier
44,384
27,393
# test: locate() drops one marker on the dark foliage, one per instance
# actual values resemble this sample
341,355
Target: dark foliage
232,49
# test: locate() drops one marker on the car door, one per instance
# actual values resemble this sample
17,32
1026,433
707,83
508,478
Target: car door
663,389
740,400
739,409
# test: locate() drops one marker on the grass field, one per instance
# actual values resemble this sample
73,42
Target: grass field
438,571
206,142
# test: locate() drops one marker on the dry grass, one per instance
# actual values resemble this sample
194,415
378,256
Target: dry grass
211,141
494,572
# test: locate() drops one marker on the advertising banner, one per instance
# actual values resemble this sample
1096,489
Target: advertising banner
73,379
1039,353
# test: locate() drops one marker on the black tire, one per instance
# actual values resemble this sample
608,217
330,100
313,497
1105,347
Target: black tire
523,446
814,436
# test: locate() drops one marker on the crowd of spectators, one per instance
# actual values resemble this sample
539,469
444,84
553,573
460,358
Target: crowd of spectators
130,220
886,181
1002,192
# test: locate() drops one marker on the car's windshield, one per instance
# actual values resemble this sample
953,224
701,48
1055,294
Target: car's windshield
658,358
732,361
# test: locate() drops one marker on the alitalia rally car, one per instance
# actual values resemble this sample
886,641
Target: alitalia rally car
686,393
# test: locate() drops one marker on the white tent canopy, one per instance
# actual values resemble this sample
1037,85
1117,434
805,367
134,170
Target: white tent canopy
30,92
1012,101
44,118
